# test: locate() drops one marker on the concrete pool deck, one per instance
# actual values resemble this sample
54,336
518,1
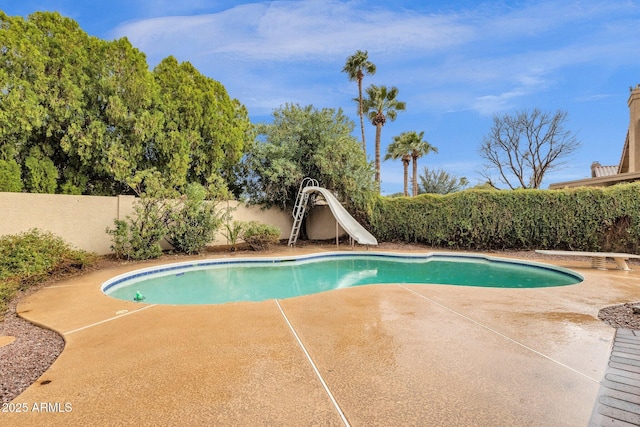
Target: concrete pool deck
363,356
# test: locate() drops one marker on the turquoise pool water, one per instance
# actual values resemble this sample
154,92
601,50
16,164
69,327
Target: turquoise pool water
224,280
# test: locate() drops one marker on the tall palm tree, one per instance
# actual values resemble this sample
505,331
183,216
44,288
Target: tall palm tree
399,150
417,148
356,66
381,104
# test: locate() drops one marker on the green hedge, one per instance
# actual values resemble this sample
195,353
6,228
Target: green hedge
589,219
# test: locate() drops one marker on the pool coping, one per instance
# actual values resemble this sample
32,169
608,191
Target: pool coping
165,269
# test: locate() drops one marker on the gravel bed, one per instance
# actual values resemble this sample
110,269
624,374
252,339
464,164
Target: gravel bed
23,361
621,316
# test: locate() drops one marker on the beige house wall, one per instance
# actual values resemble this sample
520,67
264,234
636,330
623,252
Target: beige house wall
629,166
634,130
82,220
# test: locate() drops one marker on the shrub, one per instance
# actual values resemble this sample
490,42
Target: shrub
260,236
232,231
193,222
138,237
28,258
188,223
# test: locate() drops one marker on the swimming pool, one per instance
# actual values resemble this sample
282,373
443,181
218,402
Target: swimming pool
224,280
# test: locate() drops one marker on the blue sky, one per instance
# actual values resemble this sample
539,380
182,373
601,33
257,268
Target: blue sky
456,63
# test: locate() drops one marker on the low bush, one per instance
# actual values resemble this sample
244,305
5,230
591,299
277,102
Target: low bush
589,219
29,258
260,236
193,221
188,223
232,231
138,236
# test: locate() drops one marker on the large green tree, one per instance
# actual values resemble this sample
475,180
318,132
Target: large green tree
21,84
356,66
305,141
205,132
72,89
69,60
381,104
120,121
92,110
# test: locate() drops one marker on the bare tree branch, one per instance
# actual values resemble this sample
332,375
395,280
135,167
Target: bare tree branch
522,148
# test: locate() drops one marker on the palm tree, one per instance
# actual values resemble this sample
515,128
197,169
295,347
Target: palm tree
398,150
356,66
417,148
381,104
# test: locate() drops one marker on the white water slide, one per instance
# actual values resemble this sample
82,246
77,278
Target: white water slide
346,221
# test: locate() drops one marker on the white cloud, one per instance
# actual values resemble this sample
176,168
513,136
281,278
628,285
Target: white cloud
487,59
286,31
490,104
593,97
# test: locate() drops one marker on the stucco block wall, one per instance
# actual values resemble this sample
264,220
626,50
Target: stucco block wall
82,220
272,216
321,224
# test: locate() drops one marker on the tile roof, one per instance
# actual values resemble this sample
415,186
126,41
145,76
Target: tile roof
605,171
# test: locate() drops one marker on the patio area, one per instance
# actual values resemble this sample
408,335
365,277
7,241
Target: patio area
363,356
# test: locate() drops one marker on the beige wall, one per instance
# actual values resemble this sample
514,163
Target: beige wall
273,216
82,220
629,166
321,224
634,130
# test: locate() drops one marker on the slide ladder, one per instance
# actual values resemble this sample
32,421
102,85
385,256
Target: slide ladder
300,208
